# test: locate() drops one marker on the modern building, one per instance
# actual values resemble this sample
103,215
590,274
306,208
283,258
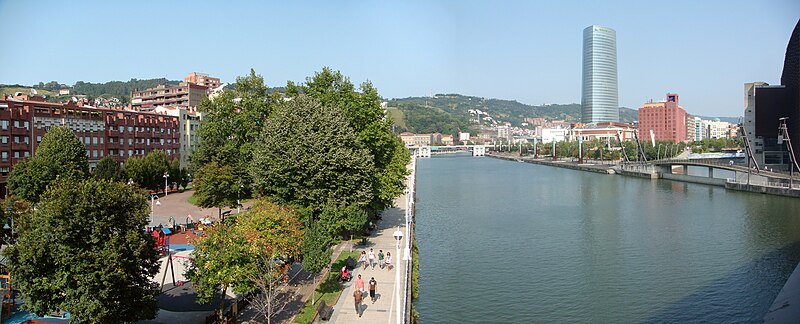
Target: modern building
766,104
599,95
690,128
716,129
118,133
698,129
183,95
666,120
463,137
203,80
554,134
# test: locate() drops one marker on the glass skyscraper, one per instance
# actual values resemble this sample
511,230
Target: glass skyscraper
599,98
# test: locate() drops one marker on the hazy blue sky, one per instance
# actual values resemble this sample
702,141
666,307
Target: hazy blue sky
524,50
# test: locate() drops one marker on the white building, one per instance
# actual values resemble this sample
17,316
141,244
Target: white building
189,124
699,130
463,137
554,134
716,128
504,133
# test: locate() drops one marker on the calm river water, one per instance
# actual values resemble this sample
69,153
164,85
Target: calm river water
513,242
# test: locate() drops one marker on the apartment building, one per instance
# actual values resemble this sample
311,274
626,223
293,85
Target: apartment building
666,120
118,133
183,95
203,80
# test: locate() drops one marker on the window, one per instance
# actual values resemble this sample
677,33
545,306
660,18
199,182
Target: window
4,124
38,138
27,154
4,155
16,124
16,154
122,129
130,141
26,124
94,140
26,139
130,152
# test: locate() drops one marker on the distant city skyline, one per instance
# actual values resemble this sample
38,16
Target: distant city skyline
529,52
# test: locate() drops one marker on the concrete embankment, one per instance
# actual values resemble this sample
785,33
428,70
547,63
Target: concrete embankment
780,191
597,168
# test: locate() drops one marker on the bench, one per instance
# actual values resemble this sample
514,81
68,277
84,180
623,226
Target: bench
324,311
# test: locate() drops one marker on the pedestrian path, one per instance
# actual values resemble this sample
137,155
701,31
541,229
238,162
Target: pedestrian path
383,310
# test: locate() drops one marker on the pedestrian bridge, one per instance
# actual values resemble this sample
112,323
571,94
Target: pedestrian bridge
428,151
711,171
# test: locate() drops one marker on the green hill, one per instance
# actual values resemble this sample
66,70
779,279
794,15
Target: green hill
449,113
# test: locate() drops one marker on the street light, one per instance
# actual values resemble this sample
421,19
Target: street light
166,184
153,202
238,198
398,235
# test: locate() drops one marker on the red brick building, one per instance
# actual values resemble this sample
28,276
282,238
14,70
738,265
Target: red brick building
105,132
666,119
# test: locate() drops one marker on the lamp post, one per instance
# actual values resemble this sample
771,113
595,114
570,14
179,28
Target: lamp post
166,183
153,202
398,236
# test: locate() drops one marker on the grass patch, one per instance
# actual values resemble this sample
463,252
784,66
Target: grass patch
398,117
192,200
328,290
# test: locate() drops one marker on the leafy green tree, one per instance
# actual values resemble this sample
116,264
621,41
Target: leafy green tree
84,251
335,221
108,169
215,186
309,156
316,251
61,154
250,256
148,171
232,123
366,116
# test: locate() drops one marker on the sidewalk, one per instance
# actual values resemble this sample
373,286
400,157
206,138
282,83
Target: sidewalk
383,310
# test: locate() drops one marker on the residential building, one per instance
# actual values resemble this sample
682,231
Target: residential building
407,138
189,123
203,80
698,129
599,97
183,95
690,128
447,140
118,133
463,137
504,133
666,120
717,129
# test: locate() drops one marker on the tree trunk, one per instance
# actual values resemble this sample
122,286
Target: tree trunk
222,303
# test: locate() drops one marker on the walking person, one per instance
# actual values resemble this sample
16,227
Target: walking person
360,284
380,259
388,261
372,258
363,259
357,297
373,287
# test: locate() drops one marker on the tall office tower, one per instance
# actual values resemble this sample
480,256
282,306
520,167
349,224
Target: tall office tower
599,98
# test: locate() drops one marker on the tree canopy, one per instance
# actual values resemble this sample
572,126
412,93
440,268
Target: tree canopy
367,118
215,186
108,169
308,155
61,154
84,251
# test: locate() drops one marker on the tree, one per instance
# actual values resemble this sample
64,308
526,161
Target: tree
335,221
84,251
108,169
309,156
148,171
61,154
316,254
252,255
232,123
367,118
215,187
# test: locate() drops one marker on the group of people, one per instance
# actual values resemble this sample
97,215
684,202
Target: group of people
383,261
358,294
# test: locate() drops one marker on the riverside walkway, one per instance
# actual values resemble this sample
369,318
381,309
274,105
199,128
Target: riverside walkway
384,309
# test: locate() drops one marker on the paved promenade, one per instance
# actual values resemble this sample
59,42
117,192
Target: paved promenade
383,310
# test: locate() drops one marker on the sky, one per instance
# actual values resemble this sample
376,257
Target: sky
529,51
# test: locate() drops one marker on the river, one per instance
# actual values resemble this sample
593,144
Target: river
509,242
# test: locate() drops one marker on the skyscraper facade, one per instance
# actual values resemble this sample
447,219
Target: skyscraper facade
599,97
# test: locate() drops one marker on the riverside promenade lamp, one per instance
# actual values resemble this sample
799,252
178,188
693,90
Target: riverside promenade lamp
398,236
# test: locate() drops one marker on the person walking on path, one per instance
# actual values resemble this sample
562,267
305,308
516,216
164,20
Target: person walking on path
373,286
357,297
372,258
363,259
388,261
380,259
360,284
